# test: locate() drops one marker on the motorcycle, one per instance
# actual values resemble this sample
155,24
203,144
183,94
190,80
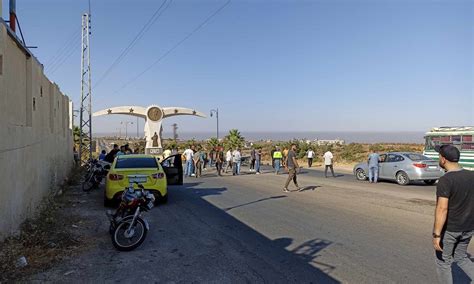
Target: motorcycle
127,228
97,170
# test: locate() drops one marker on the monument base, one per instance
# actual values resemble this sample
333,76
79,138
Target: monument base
154,151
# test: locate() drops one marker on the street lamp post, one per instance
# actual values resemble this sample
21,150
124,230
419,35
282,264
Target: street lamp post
216,111
126,126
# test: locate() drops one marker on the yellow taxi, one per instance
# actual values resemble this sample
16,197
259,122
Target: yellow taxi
147,170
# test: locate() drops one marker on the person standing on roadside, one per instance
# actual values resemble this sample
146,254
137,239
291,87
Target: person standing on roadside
328,163
277,157
258,160
188,155
310,154
454,216
112,154
219,160
198,163
253,154
271,155
236,160
212,155
102,155
166,153
228,159
291,164
122,151
373,162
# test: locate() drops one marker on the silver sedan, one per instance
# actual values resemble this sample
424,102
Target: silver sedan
403,167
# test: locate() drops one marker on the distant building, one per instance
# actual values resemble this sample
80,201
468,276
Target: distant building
329,142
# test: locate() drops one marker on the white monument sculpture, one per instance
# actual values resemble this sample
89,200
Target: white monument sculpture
153,116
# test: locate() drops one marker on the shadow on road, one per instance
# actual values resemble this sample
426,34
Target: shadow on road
270,259
256,201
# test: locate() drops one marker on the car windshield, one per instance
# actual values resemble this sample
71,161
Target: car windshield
416,157
133,163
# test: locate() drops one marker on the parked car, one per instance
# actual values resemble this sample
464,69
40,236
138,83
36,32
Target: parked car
403,167
146,170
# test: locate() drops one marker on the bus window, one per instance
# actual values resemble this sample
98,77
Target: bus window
468,146
467,143
456,139
467,138
445,139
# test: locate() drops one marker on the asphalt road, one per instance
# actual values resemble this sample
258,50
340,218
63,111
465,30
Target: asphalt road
246,229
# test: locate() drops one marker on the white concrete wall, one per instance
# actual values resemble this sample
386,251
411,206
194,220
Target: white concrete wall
35,135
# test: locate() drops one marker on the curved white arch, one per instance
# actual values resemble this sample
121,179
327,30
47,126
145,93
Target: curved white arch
127,110
173,111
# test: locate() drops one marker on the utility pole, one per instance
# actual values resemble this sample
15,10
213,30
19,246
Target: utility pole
85,146
216,111
126,126
138,135
175,131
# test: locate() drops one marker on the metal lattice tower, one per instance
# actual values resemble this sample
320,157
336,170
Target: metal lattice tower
85,146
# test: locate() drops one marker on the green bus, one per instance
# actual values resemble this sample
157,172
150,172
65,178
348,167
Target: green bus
461,137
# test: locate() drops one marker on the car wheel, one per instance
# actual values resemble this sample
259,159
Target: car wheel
360,174
429,181
402,178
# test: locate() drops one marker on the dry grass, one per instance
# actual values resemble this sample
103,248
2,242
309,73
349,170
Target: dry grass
44,240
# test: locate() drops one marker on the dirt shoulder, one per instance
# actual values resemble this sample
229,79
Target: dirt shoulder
59,232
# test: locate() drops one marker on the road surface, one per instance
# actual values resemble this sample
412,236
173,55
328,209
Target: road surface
246,229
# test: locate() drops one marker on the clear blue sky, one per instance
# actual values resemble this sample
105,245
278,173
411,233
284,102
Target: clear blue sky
273,65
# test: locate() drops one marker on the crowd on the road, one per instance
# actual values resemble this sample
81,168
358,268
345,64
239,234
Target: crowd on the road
454,217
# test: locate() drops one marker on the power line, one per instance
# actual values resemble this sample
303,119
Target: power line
63,60
70,43
175,46
156,15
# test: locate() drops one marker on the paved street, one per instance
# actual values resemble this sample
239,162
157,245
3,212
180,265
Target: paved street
245,229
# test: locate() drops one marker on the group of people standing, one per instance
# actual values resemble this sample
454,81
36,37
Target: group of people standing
197,160
115,152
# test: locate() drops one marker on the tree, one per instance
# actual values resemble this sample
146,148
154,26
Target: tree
234,139
212,143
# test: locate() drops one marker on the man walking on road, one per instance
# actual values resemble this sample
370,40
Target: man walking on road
292,166
310,157
454,216
219,160
373,161
328,157
228,159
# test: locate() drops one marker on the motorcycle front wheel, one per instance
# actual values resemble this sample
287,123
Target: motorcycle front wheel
125,240
88,183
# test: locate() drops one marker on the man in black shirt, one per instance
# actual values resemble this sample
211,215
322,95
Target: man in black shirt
111,155
454,216
292,166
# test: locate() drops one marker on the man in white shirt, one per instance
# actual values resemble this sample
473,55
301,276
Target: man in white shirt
236,159
189,154
228,160
328,157
310,157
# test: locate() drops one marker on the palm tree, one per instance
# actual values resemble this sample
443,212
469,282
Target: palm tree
234,139
212,143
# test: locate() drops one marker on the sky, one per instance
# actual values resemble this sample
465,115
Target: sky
269,66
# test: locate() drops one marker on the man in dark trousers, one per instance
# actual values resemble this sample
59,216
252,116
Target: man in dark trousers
292,166
253,153
219,160
454,216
